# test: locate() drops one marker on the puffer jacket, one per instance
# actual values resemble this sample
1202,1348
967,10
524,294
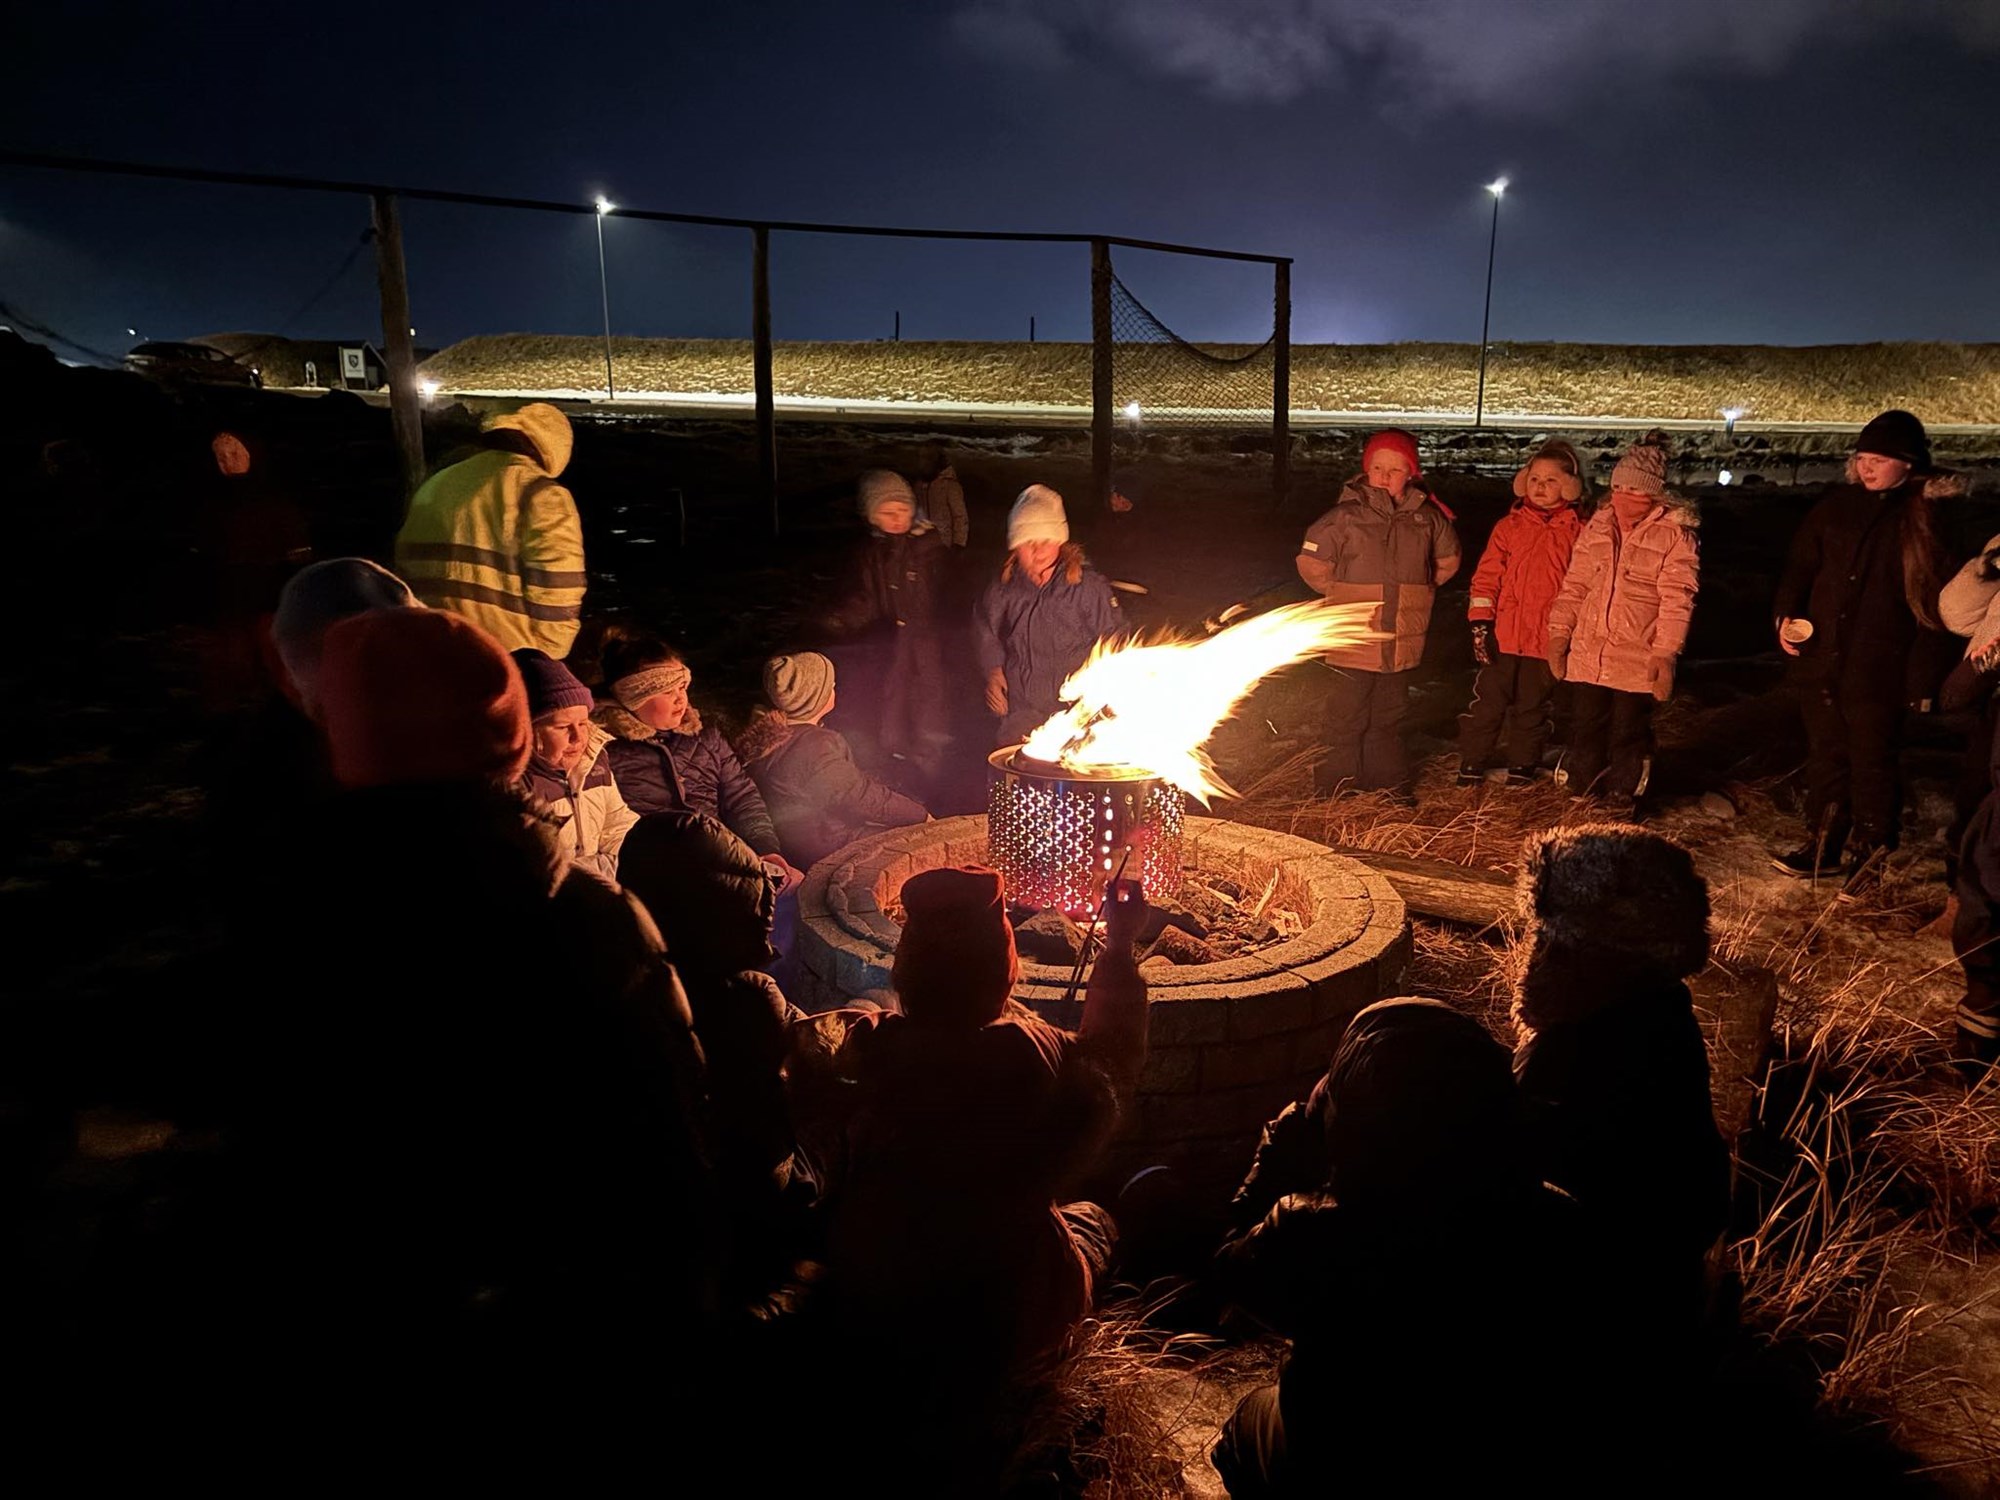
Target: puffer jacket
689,769
1521,572
594,817
1038,636
899,580
1628,598
1392,553
820,800
496,538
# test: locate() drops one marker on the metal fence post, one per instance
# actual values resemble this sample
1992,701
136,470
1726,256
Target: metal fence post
1100,374
1281,383
760,369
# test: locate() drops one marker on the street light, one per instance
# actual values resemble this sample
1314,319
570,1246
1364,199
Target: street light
605,206
1497,187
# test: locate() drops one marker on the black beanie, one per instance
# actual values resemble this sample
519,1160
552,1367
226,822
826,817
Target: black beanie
1896,434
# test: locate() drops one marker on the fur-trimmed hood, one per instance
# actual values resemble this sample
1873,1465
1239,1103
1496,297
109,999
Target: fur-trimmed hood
767,732
618,721
1069,562
1608,907
1932,484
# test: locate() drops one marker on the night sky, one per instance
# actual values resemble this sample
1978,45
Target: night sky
1788,171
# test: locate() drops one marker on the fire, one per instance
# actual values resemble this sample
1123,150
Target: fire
1150,708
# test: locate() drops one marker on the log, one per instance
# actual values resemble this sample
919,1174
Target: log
1448,892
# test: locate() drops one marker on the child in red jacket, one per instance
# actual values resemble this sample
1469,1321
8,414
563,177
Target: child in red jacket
1513,587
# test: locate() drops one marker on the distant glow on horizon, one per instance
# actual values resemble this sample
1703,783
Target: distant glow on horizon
1724,477
1132,410
429,388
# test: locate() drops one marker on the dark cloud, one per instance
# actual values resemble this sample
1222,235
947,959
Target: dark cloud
1519,58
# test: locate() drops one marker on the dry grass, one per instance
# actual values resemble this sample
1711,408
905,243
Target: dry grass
1948,383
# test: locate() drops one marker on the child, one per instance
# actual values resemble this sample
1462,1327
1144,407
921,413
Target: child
1513,588
1619,622
569,769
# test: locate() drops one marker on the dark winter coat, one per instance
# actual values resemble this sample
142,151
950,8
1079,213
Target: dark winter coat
820,800
899,582
1038,636
1614,1074
1391,553
1394,1215
479,1091
689,769
1845,574
944,1223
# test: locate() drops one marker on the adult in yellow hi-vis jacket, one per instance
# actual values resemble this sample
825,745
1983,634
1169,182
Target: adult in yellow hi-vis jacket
496,539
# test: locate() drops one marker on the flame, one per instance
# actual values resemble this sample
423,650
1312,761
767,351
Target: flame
1151,707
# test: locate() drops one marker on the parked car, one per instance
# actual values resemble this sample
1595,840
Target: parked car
190,362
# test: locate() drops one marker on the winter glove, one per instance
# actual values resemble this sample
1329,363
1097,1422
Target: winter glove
1660,674
1559,656
1482,643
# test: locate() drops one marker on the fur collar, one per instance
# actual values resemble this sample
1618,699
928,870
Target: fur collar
767,732
1069,562
1935,484
618,721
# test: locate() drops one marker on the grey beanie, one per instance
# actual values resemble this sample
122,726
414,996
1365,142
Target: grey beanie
314,599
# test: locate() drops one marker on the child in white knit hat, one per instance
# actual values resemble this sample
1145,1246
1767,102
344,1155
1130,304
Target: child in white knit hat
1037,621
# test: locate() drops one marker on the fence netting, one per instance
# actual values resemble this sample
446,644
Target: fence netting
1159,378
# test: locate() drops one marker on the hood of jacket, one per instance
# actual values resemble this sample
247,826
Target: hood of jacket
542,425
767,732
1358,491
619,722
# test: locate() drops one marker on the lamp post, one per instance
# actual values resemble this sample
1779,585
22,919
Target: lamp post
1497,187
604,206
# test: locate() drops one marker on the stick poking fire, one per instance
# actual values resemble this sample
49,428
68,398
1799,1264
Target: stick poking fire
1150,707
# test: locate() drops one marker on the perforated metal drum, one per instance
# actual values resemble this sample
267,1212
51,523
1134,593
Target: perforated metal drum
1057,836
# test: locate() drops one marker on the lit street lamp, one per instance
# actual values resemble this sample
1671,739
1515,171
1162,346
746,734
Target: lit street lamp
1497,187
605,206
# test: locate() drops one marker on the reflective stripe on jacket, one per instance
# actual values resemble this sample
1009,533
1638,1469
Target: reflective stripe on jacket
1393,553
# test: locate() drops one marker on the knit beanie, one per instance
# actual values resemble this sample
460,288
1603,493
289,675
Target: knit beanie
420,695
1619,891
551,685
1393,440
799,686
1642,468
1896,434
956,963
880,487
314,599
1037,516
1556,451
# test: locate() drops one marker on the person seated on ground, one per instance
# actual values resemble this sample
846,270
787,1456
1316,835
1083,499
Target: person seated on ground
1619,622
1517,580
477,1159
713,901
951,1251
941,498
899,586
1394,1229
1611,1063
1036,622
267,768
569,770
820,800
1970,606
1390,542
667,760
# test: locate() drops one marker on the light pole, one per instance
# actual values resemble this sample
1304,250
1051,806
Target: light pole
1497,187
604,206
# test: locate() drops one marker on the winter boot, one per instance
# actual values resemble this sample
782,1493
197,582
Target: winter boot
1865,875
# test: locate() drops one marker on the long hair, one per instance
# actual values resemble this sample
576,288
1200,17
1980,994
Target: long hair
1925,570
1070,560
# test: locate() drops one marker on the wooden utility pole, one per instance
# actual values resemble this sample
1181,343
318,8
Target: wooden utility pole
1281,384
1100,375
406,418
760,370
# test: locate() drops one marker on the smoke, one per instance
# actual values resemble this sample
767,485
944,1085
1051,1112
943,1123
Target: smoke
1524,57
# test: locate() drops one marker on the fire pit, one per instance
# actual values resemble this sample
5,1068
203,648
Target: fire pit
1231,1042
